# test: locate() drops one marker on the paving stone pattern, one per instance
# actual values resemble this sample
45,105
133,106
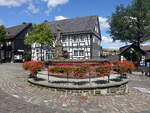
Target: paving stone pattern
17,94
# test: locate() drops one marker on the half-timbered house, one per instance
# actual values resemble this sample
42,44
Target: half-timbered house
132,52
14,48
80,37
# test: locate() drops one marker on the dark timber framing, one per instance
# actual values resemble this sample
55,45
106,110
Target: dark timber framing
81,37
13,49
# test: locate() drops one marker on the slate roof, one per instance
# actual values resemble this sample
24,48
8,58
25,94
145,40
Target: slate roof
75,25
143,48
12,32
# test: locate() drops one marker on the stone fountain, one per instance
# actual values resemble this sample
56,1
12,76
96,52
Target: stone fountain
57,46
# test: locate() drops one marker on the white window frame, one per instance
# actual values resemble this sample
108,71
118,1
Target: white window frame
78,53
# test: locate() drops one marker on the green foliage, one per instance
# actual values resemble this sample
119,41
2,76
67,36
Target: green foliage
80,71
27,56
131,23
60,69
2,34
40,34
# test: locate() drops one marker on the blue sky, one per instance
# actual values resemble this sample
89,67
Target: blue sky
14,12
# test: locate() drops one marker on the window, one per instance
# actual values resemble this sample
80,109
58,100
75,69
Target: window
37,50
8,43
75,38
64,39
37,54
8,54
78,52
81,53
81,37
1,45
48,56
64,44
75,52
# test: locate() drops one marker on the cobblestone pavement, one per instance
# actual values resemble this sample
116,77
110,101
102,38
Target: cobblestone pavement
9,104
15,89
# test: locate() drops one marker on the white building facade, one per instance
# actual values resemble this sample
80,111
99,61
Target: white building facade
80,37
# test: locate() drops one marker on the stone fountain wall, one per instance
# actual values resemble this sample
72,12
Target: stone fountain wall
103,89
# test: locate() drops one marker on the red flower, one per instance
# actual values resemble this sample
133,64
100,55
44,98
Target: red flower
32,66
124,66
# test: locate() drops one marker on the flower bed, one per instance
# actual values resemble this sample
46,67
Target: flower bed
84,69
33,67
80,70
124,66
104,69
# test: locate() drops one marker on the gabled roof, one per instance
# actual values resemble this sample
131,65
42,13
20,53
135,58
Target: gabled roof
12,32
125,48
75,25
144,50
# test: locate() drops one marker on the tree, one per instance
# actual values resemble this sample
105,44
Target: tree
2,34
132,23
2,37
39,34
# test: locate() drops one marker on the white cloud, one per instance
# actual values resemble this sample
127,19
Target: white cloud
106,39
1,22
13,3
104,23
32,9
60,18
146,43
54,3
110,44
